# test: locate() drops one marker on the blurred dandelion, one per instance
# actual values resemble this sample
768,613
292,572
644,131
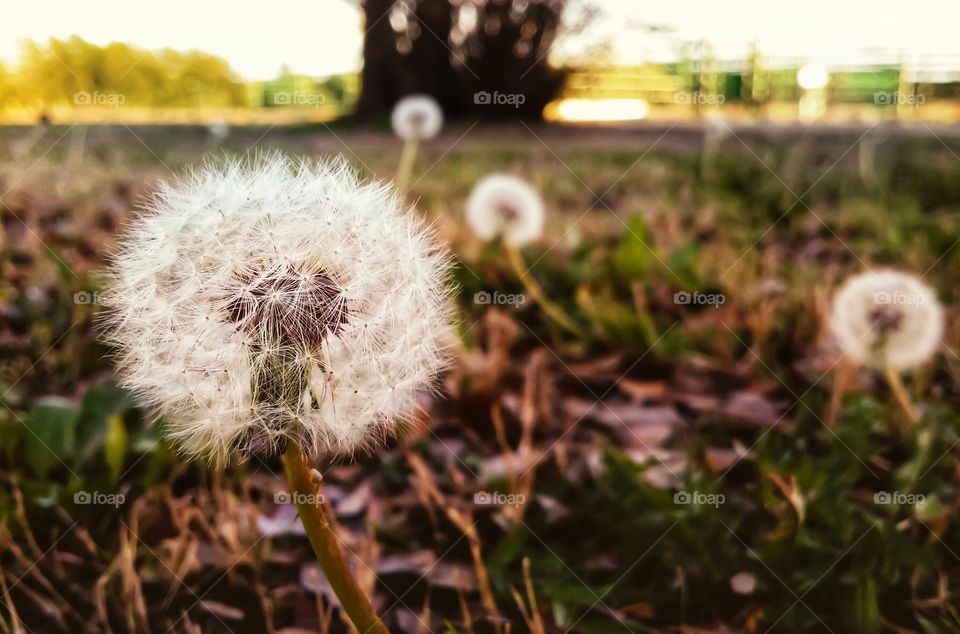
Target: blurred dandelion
506,207
414,118
716,128
890,321
218,129
417,117
502,205
267,306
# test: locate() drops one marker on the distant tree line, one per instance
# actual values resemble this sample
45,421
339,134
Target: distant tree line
482,58
73,71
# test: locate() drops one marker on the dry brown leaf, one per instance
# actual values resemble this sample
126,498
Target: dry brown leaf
643,390
754,409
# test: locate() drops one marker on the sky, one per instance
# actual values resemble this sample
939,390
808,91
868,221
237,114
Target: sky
317,37
323,37
831,32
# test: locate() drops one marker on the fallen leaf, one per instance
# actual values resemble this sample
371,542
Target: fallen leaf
643,390
718,460
283,522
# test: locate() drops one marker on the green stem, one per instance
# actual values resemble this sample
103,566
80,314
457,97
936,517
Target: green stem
324,542
552,311
408,158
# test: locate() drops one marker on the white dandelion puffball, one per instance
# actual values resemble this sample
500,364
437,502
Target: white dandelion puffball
887,317
417,117
715,126
262,301
504,205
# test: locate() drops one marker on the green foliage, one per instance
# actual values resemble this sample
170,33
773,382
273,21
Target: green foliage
86,446
74,72
683,267
101,405
50,430
634,256
115,447
845,558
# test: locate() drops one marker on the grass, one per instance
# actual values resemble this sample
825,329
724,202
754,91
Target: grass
594,437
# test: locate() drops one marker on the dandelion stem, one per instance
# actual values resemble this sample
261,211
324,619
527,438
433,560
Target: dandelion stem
408,158
900,394
552,311
842,375
324,542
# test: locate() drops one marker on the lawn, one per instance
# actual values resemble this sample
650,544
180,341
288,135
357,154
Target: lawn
685,463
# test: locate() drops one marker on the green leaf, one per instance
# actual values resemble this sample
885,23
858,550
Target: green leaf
100,403
11,433
866,612
929,626
633,255
115,447
682,267
49,438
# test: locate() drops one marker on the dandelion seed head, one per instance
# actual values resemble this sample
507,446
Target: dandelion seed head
715,126
504,205
417,117
258,302
887,317
288,306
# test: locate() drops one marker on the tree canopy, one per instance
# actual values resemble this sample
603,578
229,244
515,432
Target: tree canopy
72,71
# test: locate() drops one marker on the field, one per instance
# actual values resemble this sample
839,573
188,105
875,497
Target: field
686,463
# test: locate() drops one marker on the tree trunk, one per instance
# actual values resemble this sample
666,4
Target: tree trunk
508,62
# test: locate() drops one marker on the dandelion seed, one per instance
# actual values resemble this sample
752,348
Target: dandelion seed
887,318
260,302
502,205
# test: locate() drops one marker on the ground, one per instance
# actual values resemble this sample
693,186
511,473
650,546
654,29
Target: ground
674,467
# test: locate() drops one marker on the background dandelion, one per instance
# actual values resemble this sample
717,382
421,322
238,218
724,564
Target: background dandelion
887,317
890,321
505,206
415,118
